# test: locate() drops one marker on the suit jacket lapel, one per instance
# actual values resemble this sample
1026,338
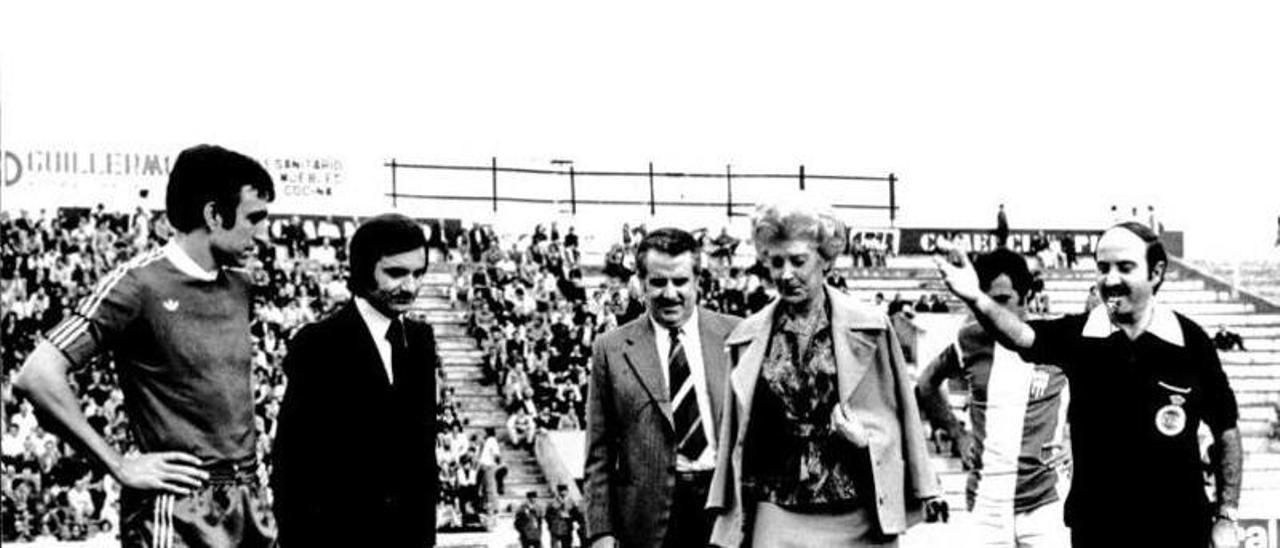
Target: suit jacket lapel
364,351
641,354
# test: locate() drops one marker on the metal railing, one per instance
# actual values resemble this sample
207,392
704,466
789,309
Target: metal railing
571,195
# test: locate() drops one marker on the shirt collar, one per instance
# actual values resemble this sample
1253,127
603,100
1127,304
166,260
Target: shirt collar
1164,324
689,326
377,321
185,264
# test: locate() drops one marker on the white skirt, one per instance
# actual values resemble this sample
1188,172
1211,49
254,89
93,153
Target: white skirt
777,527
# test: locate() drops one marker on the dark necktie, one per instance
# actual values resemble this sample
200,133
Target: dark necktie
399,353
684,399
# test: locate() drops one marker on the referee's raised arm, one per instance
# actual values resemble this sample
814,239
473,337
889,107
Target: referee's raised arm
962,280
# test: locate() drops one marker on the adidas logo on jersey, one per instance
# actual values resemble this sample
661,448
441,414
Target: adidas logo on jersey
171,305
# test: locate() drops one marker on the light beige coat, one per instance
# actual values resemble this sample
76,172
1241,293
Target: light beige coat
873,383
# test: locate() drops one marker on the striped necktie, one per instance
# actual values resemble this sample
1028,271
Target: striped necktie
684,399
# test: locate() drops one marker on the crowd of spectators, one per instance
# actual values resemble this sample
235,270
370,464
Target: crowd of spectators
871,249
49,262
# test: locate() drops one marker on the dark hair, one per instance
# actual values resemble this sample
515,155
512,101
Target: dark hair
377,237
1155,249
671,241
1003,261
210,173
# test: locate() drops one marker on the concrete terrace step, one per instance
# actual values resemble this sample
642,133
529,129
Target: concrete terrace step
472,390
454,343
1173,298
1084,285
1253,332
1255,385
446,318
471,406
462,361
1254,428
1067,297
437,278
1259,413
488,420
431,304
1249,357
1210,321
1261,461
1208,308
454,330
1254,397
1269,371
935,283
472,352
463,374
1257,343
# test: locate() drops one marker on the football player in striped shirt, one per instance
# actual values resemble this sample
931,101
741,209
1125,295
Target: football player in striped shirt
176,322
1016,411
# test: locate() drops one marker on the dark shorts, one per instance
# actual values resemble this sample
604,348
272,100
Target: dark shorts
227,513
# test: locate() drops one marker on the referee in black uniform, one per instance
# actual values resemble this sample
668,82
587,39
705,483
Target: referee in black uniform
1143,378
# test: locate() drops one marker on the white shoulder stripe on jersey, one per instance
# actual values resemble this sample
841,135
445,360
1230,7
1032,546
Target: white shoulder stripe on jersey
74,327
90,304
71,322
70,329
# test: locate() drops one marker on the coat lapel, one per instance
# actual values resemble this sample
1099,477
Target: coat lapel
715,363
641,354
752,335
855,348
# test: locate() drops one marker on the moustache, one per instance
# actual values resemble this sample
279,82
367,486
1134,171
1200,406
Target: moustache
1115,291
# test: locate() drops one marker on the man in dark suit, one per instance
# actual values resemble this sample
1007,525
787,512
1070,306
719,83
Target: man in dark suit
657,387
354,463
560,519
528,522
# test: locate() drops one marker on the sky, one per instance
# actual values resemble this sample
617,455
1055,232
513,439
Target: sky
1056,111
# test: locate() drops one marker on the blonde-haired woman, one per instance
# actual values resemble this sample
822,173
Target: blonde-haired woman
823,445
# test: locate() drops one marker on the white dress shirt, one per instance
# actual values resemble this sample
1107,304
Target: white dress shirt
691,339
378,324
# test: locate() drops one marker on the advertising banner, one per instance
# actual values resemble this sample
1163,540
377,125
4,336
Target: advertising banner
51,177
1259,533
916,241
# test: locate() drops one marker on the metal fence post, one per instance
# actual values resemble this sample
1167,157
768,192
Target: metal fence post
728,181
394,193
893,199
494,169
573,192
653,210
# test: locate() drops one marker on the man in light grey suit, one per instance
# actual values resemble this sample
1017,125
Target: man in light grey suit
657,388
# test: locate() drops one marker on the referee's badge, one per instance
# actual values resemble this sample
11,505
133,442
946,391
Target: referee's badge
1171,419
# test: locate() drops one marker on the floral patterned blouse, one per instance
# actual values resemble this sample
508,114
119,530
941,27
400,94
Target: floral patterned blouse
793,458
